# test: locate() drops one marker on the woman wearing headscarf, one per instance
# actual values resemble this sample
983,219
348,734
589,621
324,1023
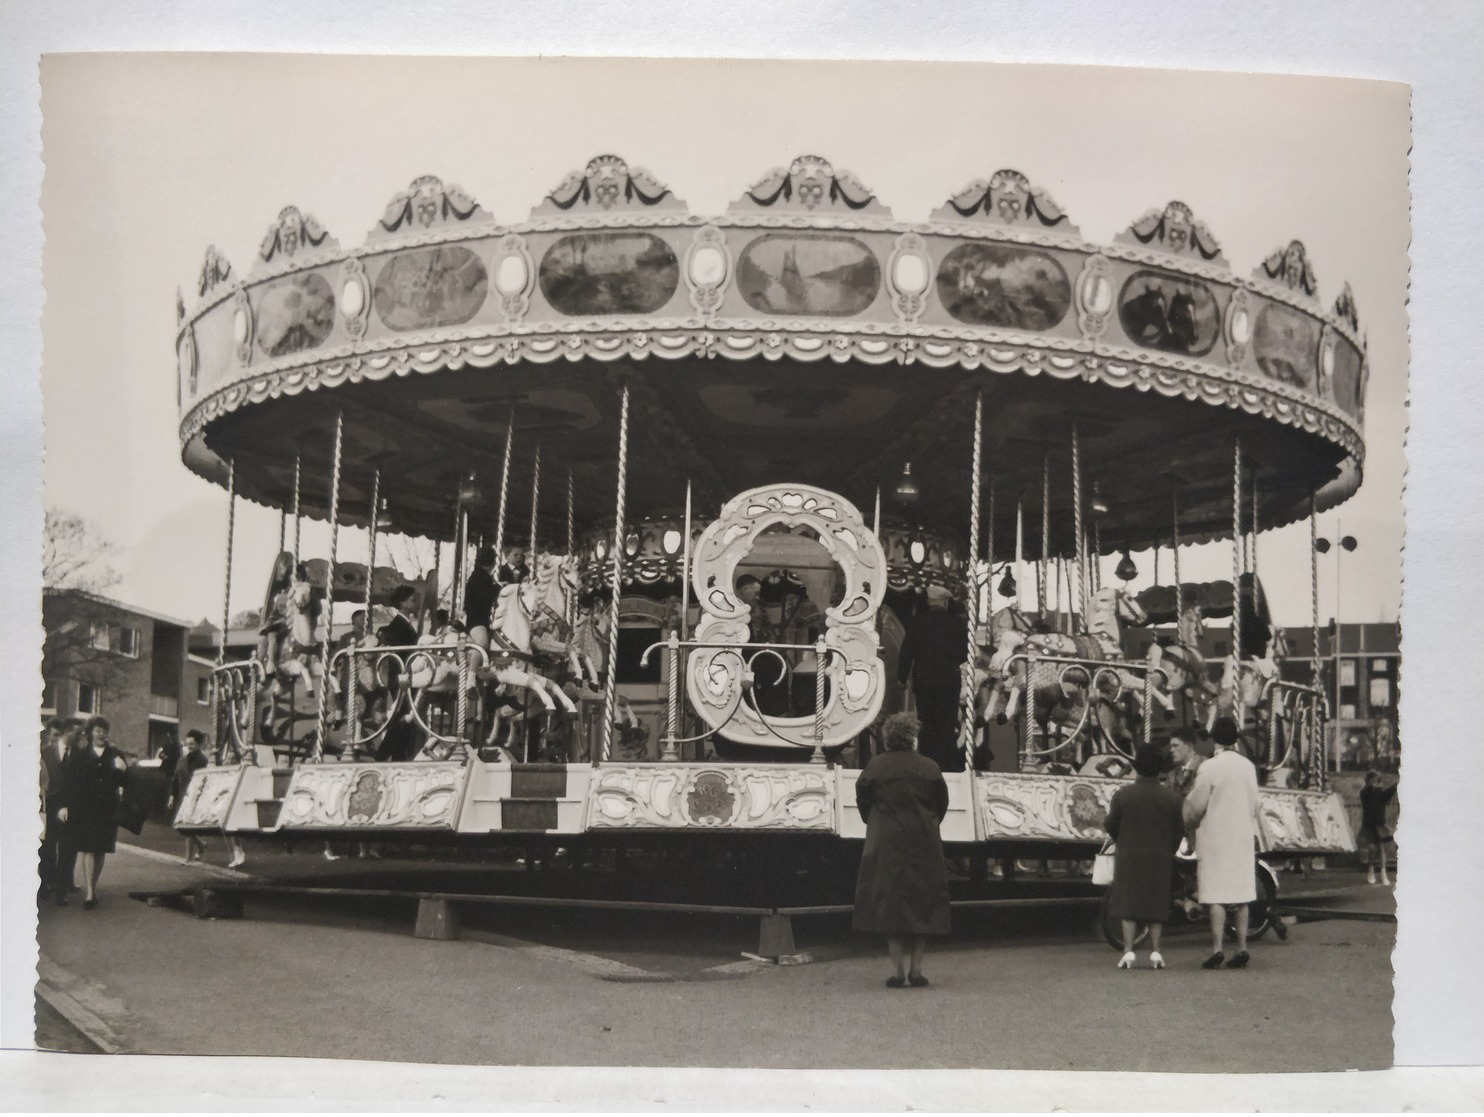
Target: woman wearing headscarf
1144,822
902,889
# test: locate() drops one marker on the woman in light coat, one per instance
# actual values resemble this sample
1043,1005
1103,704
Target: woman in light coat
1222,812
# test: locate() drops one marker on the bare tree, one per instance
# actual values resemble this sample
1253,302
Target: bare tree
414,559
74,555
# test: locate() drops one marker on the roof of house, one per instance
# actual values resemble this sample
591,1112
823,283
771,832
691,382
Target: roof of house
114,603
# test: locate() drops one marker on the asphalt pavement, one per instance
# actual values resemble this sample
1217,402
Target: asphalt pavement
1013,990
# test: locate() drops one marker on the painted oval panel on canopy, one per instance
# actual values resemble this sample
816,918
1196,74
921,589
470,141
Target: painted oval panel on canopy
295,314
999,285
1160,310
431,287
813,276
1348,381
1285,343
594,274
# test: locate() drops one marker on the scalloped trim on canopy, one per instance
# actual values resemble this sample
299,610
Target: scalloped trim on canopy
1008,198
1174,230
808,184
608,183
427,204
215,270
1290,268
291,232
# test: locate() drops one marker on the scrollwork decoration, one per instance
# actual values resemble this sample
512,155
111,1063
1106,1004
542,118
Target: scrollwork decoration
215,270
808,183
607,182
1290,267
1094,295
1175,230
354,297
1237,327
427,202
708,268
909,276
291,232
514,276
1008,196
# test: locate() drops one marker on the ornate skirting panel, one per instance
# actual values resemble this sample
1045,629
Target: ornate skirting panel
419,796
1035,807
712,797
1305,822
209,798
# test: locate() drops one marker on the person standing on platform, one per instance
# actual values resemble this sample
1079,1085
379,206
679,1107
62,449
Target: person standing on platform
1222,811
399,740
1144,823
90,782
481,592
192,760
901,890
1374,832
933,653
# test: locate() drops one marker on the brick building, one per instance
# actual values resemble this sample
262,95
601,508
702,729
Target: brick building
128,664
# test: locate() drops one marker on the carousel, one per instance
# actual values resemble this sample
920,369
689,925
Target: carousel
708,497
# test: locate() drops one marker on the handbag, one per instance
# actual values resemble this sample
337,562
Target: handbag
1102,864
130,813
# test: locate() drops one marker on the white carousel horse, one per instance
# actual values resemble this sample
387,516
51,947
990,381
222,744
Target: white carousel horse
288,632
1184,667
511,634
1243,694
1014,633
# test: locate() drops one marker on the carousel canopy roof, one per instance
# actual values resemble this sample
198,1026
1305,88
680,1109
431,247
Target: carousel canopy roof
805,335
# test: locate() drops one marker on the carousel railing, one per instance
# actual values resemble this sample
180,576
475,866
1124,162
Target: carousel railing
1294,723
386,678
1106,683
749,655
235,688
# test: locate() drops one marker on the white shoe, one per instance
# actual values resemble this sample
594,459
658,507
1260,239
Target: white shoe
1370,878
1127,961
331,855
1156,960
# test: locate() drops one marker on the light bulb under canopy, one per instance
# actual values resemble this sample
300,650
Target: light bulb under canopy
906,490
1126,571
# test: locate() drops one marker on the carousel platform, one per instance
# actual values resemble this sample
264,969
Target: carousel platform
1005,811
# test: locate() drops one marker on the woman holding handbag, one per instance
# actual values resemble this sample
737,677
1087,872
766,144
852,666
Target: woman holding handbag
1144,822
89,784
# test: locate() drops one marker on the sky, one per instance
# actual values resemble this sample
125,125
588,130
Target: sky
151,158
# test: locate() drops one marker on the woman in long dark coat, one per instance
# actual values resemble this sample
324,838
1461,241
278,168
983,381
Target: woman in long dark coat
91,782
1144,820
902,889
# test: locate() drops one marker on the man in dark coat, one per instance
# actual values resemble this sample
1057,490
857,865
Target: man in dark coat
399,742
53,751
902,888
934,651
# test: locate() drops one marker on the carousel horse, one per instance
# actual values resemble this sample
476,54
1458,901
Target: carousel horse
1246,693
1014,633
287,636
511,636
1183,667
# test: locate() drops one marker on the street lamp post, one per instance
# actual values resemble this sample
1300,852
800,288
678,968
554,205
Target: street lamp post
1346,543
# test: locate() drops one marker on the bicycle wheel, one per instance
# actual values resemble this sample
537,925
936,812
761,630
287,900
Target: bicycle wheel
1112,929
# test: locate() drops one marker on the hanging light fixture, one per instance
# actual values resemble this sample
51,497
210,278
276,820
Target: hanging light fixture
383,517
1126,571
1007,583
468,490
906,491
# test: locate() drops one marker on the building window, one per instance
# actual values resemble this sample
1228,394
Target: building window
1380,666
48,698
1347,712
87,699
1347,672
1380,695
203,692
128,641
99,638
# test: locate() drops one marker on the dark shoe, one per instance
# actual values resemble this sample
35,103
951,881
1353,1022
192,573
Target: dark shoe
895,982
1239,960
89,905
1214,962
917,981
